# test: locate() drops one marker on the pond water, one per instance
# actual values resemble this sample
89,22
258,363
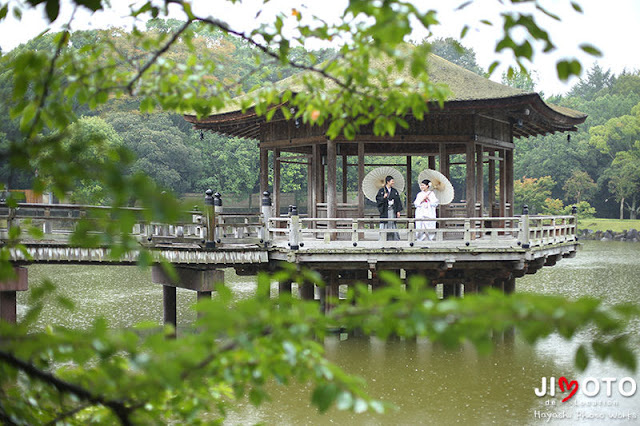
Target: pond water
427,384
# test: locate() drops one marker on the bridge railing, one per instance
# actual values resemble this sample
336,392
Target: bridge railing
514,231
58,221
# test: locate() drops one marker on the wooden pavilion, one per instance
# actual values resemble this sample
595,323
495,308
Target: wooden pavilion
480,121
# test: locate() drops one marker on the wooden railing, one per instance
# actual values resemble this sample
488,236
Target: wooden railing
516,231
58,221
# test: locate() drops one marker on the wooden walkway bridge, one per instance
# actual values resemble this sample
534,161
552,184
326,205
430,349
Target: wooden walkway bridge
465,253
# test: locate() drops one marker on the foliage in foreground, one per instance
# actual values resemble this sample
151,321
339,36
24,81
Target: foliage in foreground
236,348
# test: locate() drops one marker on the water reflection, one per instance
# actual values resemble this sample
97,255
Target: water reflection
428,384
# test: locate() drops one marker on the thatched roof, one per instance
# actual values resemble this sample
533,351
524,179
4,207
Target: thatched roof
468,91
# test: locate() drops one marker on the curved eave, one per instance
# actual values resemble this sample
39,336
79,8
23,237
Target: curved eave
236,123
537,117
528,113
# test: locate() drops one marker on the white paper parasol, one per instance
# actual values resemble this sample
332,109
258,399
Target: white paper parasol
439,184
374,180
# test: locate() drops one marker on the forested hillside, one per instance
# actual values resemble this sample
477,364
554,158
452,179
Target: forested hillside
597,167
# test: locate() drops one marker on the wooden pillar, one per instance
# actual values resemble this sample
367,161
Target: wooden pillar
318,173
322,176
432,162
360,179
276,183
471,179
444,169
344,178
409,195
480,178
169,305
332,207
264,170
502,186
508,181
315,167
311,187
8,294
492,182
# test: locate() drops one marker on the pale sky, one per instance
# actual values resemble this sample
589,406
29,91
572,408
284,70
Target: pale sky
612,26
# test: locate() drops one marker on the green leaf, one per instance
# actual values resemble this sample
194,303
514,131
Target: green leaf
3,11
324,395
576,7
567,68
94,5
582,358
53,9
591,50
492,67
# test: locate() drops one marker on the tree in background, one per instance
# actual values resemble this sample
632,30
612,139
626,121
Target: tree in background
579,186
618,138
453,51
627,82
624,180
519,79
532,192
98,140
160,147
589,87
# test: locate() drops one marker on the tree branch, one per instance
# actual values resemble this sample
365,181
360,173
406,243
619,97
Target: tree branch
156,55
224,27
50,73
121,409
66,414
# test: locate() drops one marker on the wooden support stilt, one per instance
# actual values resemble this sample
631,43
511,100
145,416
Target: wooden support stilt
457,289
330,291
284,287
201,295
470,287
307,290
169,305
509,285
8,306
204,295
8,295
375,280
448,290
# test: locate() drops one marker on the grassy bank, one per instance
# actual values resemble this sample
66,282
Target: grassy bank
615,225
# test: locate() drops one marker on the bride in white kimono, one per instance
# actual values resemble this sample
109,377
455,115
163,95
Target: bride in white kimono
426,203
